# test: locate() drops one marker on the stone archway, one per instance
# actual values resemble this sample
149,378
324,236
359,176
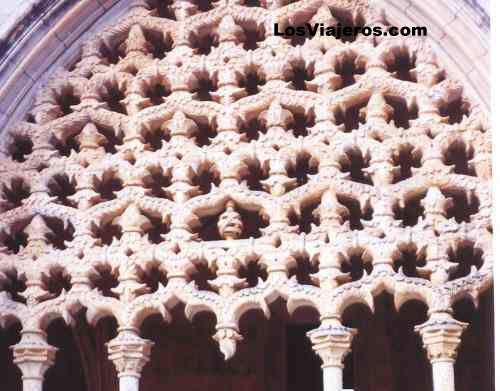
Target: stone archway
276,353
68,368
184,153
387,354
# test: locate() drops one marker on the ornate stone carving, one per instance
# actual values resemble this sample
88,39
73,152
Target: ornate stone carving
33,355
176,138
441,336
129,352
230,225
227,337
331,341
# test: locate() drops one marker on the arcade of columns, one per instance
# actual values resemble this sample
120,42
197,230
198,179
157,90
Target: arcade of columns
131,141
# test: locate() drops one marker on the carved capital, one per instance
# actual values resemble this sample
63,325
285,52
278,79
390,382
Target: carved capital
441,337
33,355
332,341
129,352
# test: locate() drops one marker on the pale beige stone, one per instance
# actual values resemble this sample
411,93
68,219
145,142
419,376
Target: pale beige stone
377,140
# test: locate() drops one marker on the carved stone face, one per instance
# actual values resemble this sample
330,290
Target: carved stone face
230,225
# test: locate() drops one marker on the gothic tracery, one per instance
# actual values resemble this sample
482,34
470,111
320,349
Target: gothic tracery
188,137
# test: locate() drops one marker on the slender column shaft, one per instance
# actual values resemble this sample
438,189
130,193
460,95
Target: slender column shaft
443,376
332,378
32,384
129,382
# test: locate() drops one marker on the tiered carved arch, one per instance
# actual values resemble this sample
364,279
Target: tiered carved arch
175,146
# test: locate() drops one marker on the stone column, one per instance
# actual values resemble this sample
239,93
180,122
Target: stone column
332,341
441,338
129,353
33,355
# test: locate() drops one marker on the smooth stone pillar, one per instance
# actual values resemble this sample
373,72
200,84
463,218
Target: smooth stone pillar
128,382
332,378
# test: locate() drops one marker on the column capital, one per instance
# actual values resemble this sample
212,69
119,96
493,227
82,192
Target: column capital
441,336
332,341
33,355
129,352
